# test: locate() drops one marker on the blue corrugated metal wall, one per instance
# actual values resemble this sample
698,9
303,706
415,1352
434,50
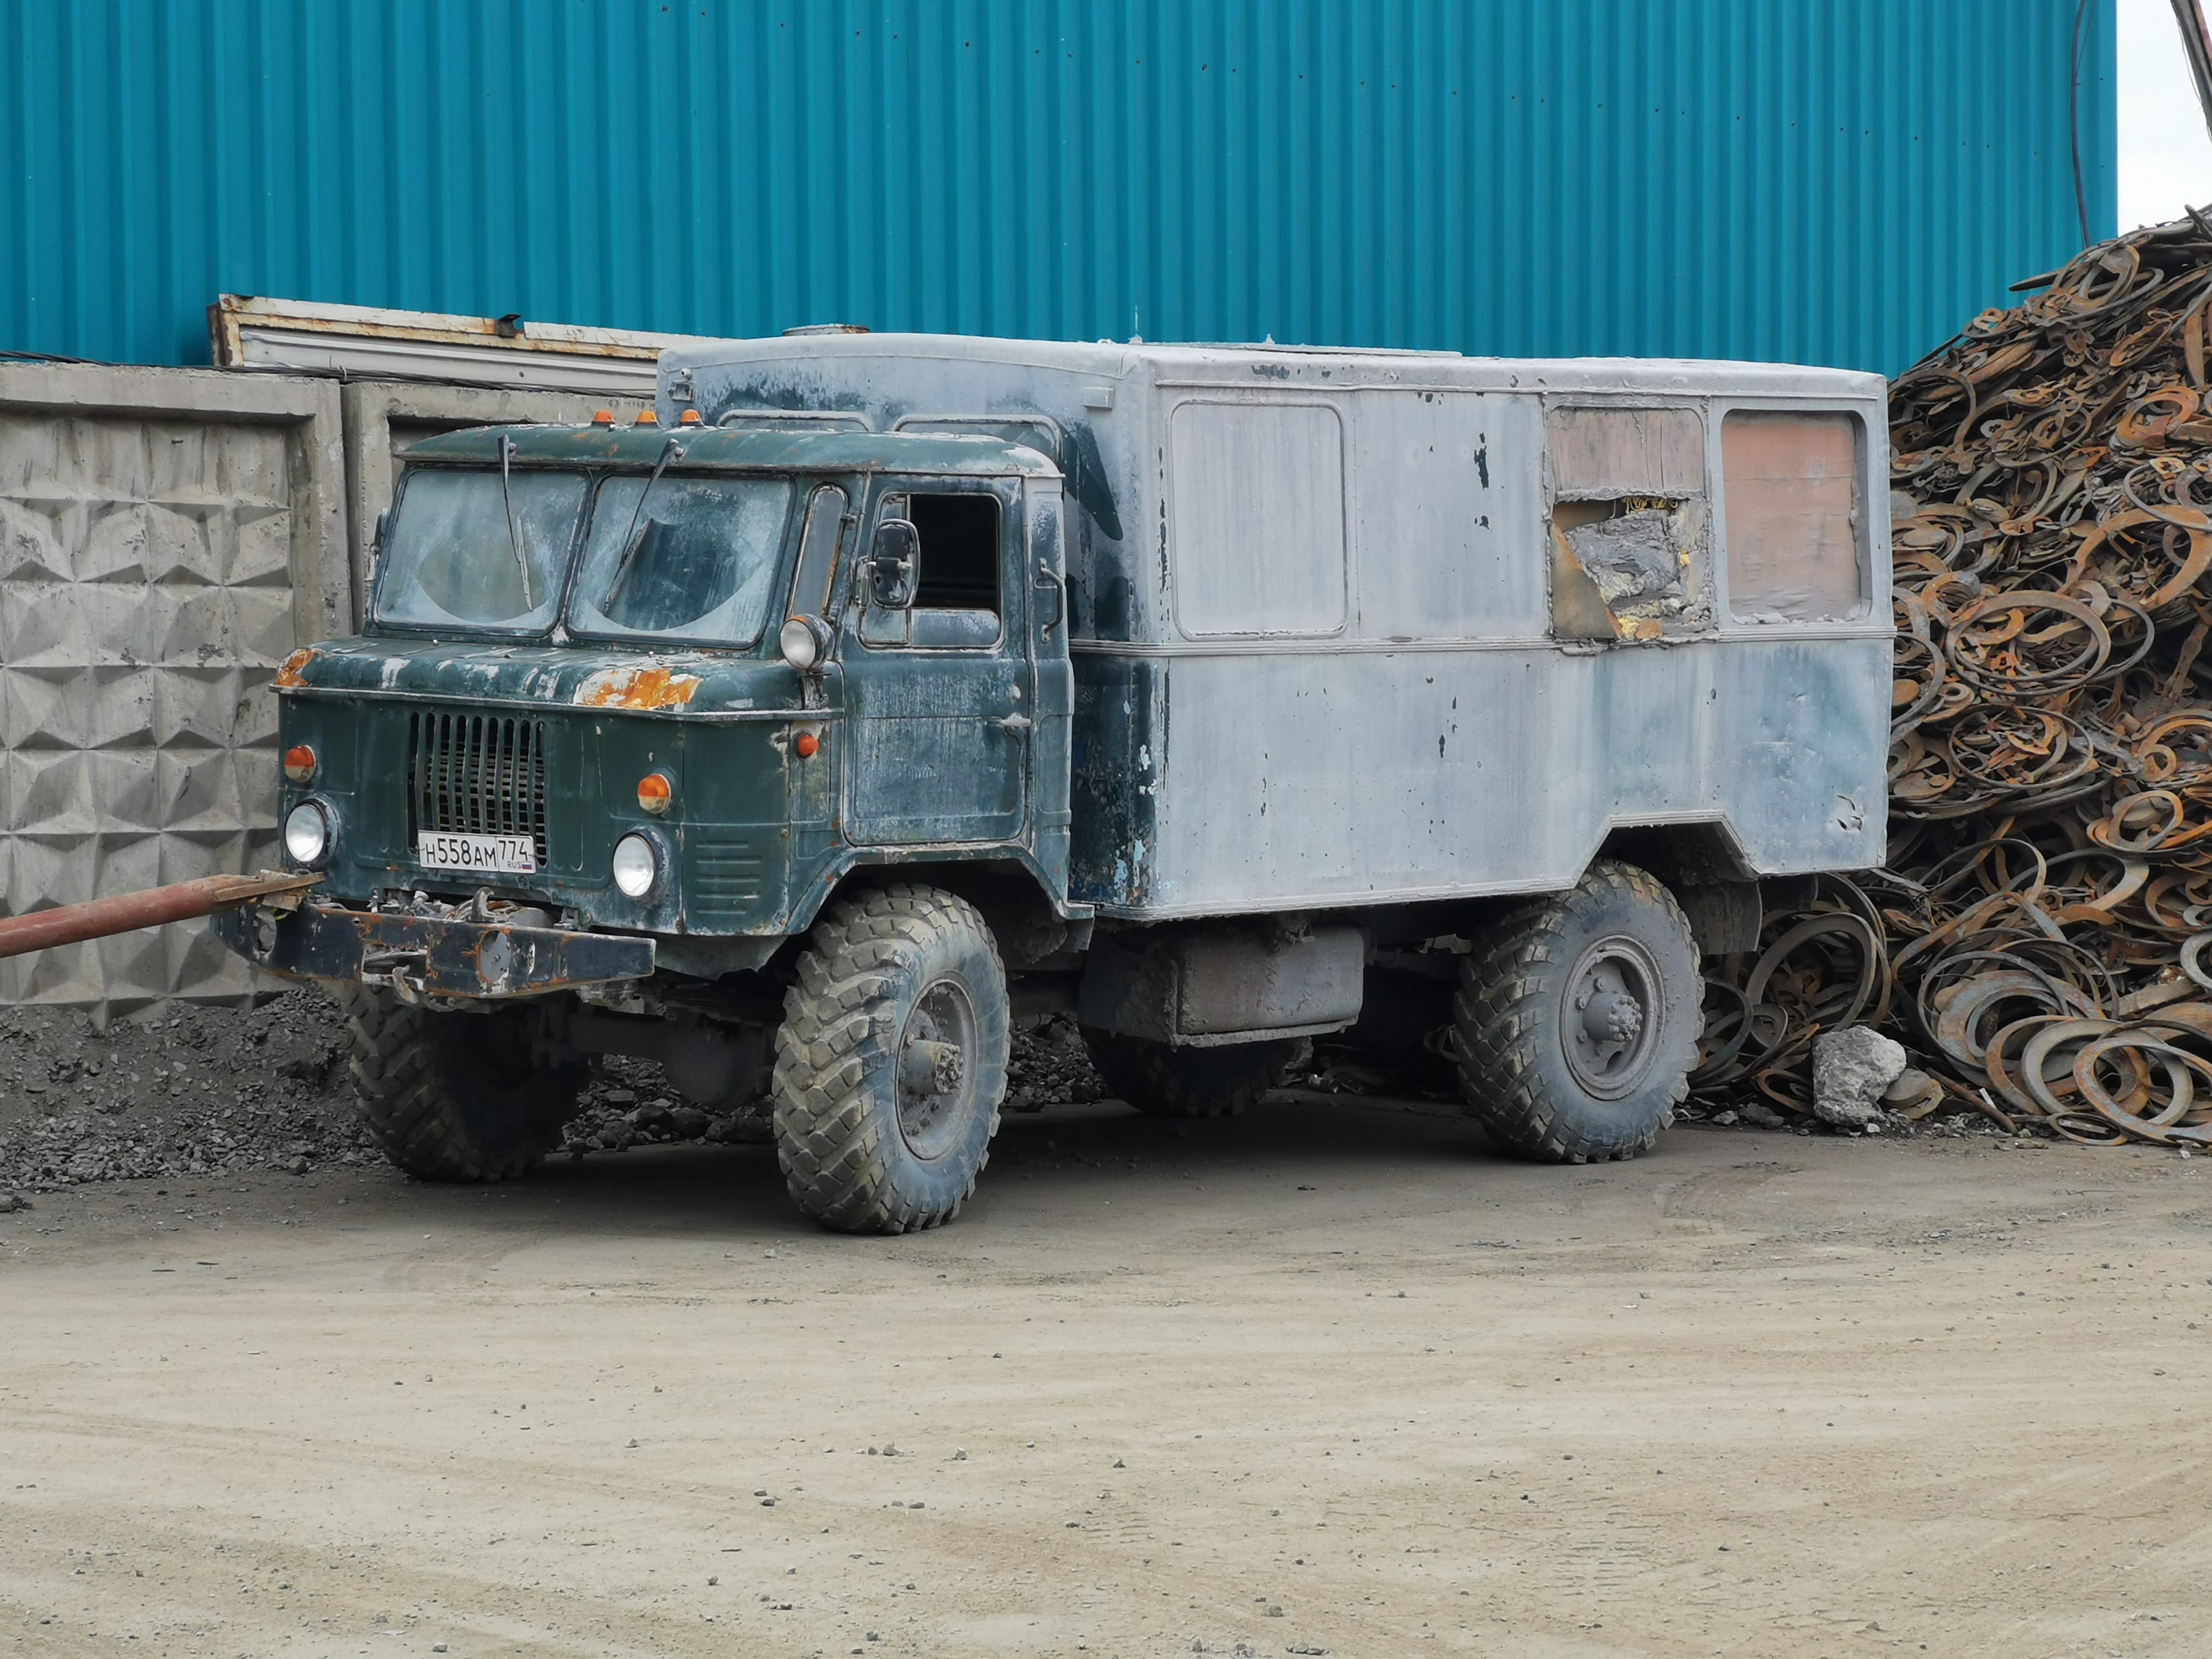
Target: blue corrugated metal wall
1835,181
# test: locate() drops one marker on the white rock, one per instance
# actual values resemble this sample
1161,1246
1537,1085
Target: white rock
1850,1069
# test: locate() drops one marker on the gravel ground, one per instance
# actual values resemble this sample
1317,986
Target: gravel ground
205,1090
210,1090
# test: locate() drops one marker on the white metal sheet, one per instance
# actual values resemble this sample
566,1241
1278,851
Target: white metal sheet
1256,516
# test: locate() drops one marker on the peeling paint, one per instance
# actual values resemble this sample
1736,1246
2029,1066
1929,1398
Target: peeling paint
636,688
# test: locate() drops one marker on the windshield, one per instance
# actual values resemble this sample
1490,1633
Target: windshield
455,551
695,562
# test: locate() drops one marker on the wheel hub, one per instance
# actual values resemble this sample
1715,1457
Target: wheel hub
1609,1027
934,1082
931,1069
1614,1018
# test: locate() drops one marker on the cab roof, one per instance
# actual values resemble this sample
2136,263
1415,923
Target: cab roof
710,448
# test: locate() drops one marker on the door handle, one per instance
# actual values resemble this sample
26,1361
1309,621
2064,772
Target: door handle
1018,725
1052,580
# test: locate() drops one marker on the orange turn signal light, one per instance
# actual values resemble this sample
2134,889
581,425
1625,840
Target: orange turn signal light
603,417
300,764
654,792
807,744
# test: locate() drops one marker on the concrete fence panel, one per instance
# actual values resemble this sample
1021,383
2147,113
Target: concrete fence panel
166,536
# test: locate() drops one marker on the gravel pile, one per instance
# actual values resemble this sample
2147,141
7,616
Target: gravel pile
1051,1066
197,1092
629,1102
205,1090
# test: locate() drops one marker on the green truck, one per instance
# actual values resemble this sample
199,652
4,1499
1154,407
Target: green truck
874,694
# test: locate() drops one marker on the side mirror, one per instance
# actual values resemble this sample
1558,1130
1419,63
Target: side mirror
894,565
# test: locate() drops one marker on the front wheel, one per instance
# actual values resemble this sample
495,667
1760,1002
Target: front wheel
1578,1020
454,1096
891,1062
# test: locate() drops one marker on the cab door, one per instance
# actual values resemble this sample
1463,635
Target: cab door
941,693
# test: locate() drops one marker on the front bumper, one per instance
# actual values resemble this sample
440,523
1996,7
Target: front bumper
419,955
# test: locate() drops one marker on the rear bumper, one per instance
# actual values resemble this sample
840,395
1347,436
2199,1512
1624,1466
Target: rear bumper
430,956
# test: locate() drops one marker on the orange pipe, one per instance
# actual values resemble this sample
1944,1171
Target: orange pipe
72,924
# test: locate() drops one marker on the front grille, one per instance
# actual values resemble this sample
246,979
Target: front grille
477,775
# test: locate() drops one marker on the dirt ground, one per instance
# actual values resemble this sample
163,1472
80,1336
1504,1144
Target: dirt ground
1326,1378
1321,1379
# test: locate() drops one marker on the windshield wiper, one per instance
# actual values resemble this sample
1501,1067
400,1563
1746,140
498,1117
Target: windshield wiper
634,533
514,541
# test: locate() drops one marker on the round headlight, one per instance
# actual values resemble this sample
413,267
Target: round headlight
637,865
307,834
804,641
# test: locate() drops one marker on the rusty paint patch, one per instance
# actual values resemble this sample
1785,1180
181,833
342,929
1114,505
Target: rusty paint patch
292,673
636,688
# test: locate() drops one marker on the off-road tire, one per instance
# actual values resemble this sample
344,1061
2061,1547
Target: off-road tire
437,1097
1514,1012
864,971
1182,1082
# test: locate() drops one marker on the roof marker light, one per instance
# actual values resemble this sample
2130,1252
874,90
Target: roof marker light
603,417
688,418
647,417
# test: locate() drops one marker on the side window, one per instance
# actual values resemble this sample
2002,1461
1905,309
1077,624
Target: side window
826,525
959,557
1790,488
1628,521
959,561
1256,518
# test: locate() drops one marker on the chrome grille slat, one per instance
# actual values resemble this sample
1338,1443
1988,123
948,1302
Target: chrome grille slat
477,775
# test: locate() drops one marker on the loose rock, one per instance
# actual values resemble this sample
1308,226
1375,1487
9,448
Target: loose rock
1850,1070
1051,1066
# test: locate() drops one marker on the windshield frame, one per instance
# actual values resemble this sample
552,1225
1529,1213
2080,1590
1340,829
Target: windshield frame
568,565
563,563
801,486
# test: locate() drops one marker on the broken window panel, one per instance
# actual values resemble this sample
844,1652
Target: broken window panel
1628,518
1626,452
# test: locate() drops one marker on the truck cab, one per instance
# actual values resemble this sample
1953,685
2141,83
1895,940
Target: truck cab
873,694
648,685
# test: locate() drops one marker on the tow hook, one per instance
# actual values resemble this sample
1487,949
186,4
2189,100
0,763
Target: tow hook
405,971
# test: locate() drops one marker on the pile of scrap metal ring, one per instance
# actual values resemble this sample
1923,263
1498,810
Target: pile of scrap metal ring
2039,939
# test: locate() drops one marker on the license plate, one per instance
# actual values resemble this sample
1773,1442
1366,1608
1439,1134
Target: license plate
512,856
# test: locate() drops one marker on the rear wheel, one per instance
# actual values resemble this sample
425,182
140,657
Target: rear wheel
1578,1020
1185,1082
891,1062
454,1096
